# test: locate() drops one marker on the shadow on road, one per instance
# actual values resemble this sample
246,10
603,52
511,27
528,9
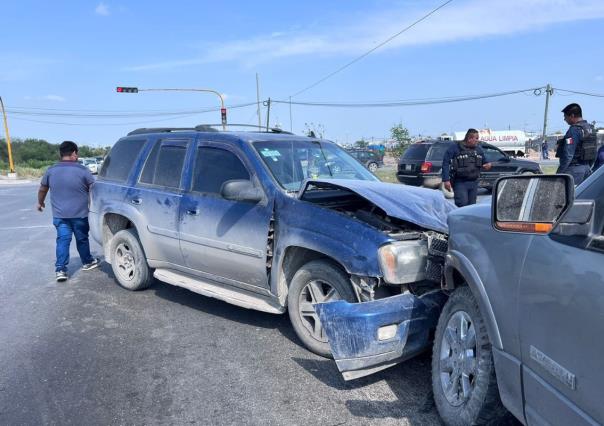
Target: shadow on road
410,382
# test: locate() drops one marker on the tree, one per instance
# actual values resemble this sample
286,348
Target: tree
362,143
401,135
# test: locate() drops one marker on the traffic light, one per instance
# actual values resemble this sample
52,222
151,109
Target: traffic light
223,116
127,89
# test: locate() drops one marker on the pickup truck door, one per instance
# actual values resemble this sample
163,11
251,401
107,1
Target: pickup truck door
220,239
368,337
562,327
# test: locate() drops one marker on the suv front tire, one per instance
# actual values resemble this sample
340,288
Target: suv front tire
316,282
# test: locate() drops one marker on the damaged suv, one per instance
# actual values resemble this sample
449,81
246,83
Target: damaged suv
264,221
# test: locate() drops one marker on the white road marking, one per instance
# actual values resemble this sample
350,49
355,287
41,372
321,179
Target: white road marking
10,228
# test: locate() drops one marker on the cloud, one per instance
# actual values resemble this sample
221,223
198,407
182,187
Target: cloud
55,98
102,9
457,22
52,98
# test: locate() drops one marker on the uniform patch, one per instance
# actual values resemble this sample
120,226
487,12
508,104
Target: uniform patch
569,141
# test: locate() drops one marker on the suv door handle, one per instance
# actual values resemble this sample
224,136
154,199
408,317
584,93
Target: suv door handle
194,212
136,201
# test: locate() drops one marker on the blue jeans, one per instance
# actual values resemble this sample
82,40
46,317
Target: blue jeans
465,192
65,228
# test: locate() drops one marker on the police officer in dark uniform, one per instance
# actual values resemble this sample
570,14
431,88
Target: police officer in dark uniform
462,164
578,149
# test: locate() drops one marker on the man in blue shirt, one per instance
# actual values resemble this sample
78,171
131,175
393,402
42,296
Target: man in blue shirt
69,183
462,164
573,150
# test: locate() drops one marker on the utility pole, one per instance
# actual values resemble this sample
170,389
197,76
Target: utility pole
291,123
548,91
11,166
268,112
258,101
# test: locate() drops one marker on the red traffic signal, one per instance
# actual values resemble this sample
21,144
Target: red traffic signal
127,89
223,115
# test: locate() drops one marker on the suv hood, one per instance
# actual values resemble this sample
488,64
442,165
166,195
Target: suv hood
423,207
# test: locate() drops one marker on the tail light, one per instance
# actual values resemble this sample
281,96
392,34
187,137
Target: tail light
426,167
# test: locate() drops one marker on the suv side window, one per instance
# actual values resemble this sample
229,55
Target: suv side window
492,154
119,162
164,164
437,151
213,167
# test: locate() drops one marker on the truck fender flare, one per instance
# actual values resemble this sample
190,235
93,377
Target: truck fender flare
455,261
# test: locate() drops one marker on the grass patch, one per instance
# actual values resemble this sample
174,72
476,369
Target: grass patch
387,174
24,172
549,170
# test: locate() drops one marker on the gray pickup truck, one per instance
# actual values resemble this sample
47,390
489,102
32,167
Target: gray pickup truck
520,323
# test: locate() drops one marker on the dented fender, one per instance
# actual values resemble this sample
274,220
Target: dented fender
352,330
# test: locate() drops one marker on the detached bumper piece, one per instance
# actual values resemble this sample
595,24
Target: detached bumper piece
371,336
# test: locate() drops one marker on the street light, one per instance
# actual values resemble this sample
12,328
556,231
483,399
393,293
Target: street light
223,111
11,166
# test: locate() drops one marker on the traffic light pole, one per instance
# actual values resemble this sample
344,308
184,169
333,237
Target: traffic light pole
222,108
11,166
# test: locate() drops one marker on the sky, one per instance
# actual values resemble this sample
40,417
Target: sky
62,61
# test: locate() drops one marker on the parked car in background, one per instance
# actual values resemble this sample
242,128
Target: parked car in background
521,323
91,164
99,160
267,221
421,164
370,159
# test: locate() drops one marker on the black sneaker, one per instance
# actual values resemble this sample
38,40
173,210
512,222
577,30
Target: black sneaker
61,276
87,267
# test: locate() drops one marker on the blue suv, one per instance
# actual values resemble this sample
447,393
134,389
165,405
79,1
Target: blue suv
262,220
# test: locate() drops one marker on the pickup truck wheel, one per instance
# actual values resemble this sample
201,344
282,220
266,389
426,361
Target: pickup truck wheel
128,261
315,282
373,167
463,374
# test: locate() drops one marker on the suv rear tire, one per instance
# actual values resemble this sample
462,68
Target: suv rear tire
315,282
463,373
128,261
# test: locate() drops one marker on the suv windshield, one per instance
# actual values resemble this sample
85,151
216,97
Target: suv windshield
416,151
291,162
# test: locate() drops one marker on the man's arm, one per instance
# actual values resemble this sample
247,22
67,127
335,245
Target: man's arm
568,149
42,191
446,169
486,166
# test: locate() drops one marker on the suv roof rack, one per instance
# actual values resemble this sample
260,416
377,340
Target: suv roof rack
204,128
142,130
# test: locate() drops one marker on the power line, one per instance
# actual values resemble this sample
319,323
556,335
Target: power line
174,115
413,102
373,49
596,95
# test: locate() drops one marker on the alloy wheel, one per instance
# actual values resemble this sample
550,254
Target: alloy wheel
458,359
315,292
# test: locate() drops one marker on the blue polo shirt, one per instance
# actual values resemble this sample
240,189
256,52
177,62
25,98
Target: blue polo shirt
69,184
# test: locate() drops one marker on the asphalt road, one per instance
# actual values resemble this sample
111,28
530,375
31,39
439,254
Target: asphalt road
89,352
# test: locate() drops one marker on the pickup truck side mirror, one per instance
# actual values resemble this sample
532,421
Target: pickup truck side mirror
532,204
241,190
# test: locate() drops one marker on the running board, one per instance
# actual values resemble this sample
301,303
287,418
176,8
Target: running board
217,291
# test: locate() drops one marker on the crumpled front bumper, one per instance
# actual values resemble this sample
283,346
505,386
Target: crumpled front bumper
352,330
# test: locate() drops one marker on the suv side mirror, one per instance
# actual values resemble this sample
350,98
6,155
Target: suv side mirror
531,204
241,190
